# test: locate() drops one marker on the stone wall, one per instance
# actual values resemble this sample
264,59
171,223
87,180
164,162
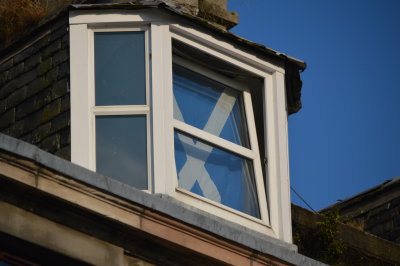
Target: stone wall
335,243
376,211
34,92
384,221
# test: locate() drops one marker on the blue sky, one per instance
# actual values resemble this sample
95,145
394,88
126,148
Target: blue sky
346,139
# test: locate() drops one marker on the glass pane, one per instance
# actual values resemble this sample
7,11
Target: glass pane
120,71
216,174
209,105
121,149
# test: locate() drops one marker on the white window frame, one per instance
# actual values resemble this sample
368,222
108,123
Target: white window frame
251,153
118,110
162,28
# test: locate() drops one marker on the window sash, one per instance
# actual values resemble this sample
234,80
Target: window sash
251,153
119,110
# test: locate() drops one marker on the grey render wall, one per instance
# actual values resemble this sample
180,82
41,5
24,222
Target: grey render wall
34,91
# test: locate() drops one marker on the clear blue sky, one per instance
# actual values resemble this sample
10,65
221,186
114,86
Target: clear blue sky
346,139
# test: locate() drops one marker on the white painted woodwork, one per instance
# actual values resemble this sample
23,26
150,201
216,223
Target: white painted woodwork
160,28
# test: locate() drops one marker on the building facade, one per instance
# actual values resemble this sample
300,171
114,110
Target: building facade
167,138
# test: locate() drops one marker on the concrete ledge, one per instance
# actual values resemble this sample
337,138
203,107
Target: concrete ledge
161,204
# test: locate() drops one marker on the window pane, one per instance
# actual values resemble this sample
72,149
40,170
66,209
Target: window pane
121,149
216,174
209,105
120,71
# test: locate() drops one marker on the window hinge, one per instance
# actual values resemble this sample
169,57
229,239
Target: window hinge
266,161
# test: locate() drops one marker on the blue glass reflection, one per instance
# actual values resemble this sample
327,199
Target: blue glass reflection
121,149
120,70
216,174
209,105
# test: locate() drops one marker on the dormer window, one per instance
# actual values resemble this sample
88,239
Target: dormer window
166,106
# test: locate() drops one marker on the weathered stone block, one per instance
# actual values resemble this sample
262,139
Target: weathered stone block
388,226
60,88
45,66
37,85
41,132
65,103
52,75
51,48
17,129
32,61
63,69
60,57
8,88
51,143
6,65
65,40
60,122
16,97
3,106
33,104
51,110
65,137
27,138
7,118
395,202
26,78
23,55
64,153
16,70
59,32
25,108
43,98
40,44
4,76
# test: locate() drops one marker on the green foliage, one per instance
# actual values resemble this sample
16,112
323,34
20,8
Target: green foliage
328,233
322,240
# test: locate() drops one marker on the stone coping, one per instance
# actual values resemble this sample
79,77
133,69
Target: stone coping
163,204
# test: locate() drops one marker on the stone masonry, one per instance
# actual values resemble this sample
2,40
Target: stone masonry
376,210
34,92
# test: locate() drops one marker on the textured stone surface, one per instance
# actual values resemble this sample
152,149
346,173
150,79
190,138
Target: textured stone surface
360,248
34,93
376,210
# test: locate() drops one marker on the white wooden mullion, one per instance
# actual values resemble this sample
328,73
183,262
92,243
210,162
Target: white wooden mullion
126,27
160,65
121,110
91,102
257,160
147,52
283,181
213,140
80,113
